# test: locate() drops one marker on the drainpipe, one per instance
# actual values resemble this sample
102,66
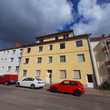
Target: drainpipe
93,67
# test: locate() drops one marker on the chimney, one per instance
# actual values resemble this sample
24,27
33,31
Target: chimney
18,44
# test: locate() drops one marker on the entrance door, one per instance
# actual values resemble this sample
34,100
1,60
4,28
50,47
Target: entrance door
49,77
90,81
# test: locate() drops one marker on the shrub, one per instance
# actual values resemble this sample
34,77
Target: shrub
105,85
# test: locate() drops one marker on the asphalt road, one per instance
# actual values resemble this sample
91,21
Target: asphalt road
12,98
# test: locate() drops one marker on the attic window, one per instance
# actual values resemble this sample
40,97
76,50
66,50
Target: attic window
66,36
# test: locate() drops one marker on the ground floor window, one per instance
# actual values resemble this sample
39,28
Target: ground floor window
63,74
76,74
17,68
24,73
38,72
9,68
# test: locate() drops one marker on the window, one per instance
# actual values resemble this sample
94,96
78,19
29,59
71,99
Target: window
56,37
9,68
38,72
39,60
62,74
21,49
89,77
72,83
19,59
50,59
28,50
50,47
66,36
40,48
17,68
81,58
76,74
26,60
79,43
66,82
11,59
28,79
62,59
24,73
62,45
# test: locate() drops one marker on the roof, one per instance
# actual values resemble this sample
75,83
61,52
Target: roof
54,34
94,39
42,43
59,40
12,48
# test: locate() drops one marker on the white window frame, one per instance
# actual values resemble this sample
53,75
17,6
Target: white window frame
63,74
78,75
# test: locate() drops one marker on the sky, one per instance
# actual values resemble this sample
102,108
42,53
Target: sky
23,20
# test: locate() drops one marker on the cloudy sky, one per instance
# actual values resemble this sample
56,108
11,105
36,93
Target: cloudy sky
23,20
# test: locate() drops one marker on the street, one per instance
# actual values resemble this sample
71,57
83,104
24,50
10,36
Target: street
13,98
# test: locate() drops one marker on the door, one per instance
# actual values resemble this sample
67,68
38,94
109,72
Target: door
23,82
90,81
64,86
26,82
49,77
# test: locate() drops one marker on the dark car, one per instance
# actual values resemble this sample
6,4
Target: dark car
68,86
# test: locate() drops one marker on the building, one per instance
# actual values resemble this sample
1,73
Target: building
99,50
102,55
10,60
58,56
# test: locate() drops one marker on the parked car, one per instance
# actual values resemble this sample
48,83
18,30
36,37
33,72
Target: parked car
8,79
68,86
31,83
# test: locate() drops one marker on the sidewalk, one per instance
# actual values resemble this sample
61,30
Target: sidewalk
97,92
92,91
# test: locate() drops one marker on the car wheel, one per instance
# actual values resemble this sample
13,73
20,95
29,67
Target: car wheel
54,90
32,86
17,84
77,93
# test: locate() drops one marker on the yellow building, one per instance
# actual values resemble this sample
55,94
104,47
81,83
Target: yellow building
58,56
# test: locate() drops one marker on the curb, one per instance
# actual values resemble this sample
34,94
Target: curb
97,92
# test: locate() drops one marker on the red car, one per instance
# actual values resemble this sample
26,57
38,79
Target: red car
8,79
68,86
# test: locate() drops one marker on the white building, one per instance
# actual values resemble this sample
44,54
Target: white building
93,43
10,60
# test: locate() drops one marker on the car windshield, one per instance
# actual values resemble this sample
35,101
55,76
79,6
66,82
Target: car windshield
28,79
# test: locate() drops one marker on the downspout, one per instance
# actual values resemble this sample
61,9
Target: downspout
93,67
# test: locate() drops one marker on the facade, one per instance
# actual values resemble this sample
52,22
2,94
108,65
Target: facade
10,60
102,55
56,57
96,46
